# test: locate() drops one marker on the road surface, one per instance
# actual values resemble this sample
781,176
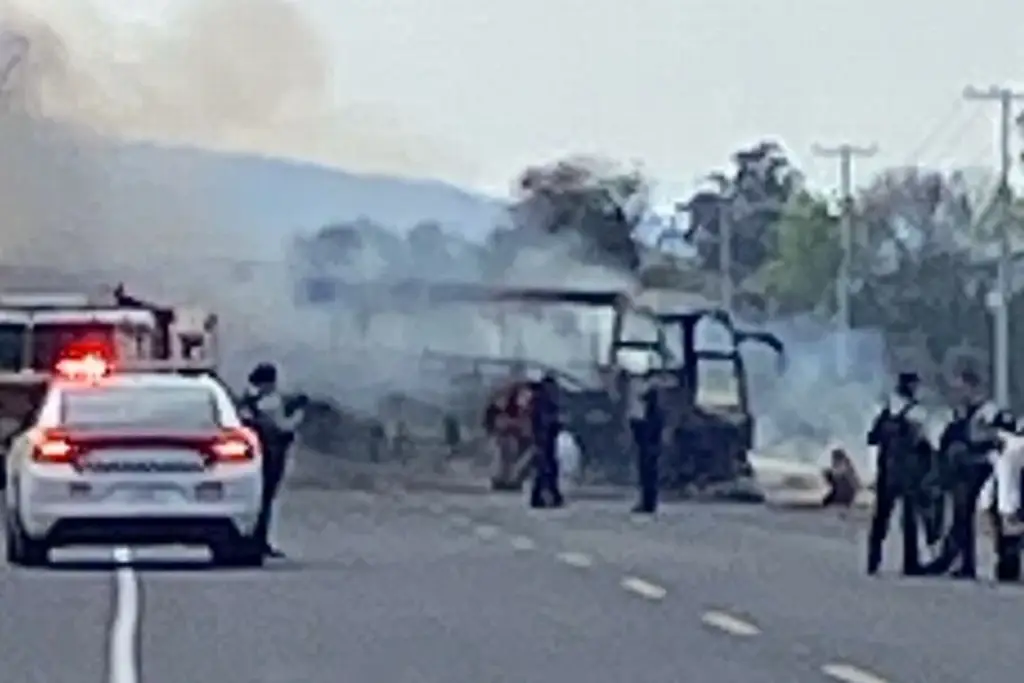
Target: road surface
431,588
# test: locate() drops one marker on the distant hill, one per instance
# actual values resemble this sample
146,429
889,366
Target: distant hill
275,197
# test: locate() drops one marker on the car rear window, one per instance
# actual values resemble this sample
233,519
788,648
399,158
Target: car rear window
140,408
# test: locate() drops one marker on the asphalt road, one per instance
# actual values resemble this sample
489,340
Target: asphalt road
430,588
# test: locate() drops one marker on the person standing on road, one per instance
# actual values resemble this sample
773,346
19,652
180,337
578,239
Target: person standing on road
903,449
274,420
1002,499
971,444
647,422
546,424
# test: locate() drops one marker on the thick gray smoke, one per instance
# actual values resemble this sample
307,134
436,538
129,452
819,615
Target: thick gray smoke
807,409
249,75
253,76
384,352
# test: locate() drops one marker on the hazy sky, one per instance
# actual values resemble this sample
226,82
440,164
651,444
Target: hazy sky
677,84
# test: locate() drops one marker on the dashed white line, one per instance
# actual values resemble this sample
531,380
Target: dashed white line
578,560
486,531
435,508
123,654
726,622
849,673
645,589
522,543
461,520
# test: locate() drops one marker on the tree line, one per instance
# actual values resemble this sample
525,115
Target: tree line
921,266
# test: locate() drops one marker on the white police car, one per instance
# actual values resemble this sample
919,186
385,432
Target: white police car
129,458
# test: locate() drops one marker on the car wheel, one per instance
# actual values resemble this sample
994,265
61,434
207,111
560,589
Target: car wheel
22,549
238,552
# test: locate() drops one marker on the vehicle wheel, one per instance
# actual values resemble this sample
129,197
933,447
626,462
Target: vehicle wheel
22,549
238,552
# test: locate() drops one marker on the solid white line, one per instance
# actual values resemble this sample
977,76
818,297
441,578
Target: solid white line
645,589
522,543
734,626
578,560
124,663
486,531
849,673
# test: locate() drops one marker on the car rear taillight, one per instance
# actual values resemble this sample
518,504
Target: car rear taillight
235,445
51,448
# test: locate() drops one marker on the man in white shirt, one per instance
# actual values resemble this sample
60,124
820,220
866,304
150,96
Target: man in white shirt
1002,498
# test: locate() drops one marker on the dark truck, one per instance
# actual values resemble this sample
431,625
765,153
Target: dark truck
707,392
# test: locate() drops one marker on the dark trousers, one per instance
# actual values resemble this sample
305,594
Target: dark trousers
647,452
933,515
961,542
273,475
545,491
1008,550
886,500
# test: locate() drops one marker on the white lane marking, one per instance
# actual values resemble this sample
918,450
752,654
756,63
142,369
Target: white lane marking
522,543
578,560
726,622
436,509
461,520
486,531
645,589
124,663
849,673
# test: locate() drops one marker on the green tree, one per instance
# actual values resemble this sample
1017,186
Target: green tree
592,198
802,274
754,194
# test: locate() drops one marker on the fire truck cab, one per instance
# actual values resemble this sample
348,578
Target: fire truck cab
38,330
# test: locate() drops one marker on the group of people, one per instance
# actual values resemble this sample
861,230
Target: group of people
530,415
976,463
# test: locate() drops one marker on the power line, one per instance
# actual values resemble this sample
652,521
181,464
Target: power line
845,153
938,132
1005,97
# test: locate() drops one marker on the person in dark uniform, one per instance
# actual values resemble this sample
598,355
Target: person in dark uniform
274,420
647,435
545,426
898,434
970,442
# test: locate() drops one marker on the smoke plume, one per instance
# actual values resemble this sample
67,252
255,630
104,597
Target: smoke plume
241,75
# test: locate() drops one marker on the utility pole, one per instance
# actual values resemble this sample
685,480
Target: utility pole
845,153
725,255
1000,298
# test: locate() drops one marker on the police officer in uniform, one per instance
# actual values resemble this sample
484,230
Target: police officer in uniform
647,423
903,451
971,441
546,424
274,420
